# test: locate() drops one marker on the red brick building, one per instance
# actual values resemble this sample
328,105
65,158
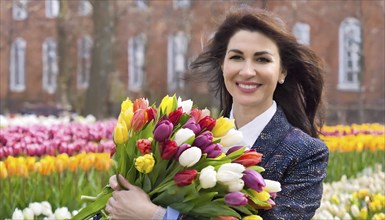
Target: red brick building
155,40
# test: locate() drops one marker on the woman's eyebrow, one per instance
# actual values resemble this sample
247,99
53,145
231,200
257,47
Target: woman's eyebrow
258,53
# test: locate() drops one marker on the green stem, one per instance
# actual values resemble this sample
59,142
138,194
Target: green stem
160,188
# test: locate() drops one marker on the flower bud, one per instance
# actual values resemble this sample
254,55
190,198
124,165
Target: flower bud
168,104
252,217
249,158
185,177
236,186
175,116
253,180
207,123
151,113
184,135
145,163
139,120
120,133
272,186
140,103
181,148
230,172
203,140
186,105
192,125
232,138
222,126
213,150
190,157
236,199
144,146
163,130
208,177
168,149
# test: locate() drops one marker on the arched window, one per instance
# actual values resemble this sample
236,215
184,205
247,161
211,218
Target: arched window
350,55
302,32
50,67
19,9
17,67
84,8
52,8
84,61
177,62
136,61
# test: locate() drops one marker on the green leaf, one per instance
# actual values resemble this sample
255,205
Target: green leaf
94,207
212,209
234,155
146,183
256,168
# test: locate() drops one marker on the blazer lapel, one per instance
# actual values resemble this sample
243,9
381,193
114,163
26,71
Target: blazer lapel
271,136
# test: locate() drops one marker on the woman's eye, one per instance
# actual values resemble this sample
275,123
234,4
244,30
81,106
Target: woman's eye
263,60
235,57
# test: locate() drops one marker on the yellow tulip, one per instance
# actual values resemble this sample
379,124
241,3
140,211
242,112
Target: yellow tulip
126,116
262,196
168,104
252,217
3,170
120,132
145,163
222,126
126,104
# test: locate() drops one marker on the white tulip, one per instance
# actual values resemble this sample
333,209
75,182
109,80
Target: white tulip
186,105
184,135
208,177
47,209
17,214
190,156
62,213
229,173
36,207
205,112
28,213
272,186
232,138
236,186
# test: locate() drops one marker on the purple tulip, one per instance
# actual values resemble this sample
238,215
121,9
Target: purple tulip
236,199
203,140
192,125
232,149
213,150
181,148
253,180
163,130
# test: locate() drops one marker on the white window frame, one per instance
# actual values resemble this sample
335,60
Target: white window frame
141,4
84,8
17,65
301,31
176,60
136,62
181,4
85,45
350,55
52,8
50,65
19,9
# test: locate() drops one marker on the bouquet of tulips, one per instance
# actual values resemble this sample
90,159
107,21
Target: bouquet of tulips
176,154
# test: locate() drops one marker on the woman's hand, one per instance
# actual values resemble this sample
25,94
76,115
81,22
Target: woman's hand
132,203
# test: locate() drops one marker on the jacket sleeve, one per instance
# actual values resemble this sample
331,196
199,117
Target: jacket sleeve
301,184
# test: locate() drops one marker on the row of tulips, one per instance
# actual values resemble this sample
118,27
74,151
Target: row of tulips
356,137
48,165
70,138
355,198
42,210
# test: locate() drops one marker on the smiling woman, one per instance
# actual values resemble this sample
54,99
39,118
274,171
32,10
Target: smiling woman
272,86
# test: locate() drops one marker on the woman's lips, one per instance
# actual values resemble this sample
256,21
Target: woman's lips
248,87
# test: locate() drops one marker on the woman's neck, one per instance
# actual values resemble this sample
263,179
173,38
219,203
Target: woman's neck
245,114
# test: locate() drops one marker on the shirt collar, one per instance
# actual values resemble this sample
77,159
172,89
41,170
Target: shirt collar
253,129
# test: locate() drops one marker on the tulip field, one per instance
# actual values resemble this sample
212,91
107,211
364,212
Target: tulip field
47,163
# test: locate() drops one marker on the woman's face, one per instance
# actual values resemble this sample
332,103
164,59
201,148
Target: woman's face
251,70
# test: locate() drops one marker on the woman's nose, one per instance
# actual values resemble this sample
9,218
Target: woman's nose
247,69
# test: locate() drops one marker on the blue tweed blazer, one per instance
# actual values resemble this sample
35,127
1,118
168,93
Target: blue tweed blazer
298,161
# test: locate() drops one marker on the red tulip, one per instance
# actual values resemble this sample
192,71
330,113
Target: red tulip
249,158
185,177
175,116
207,123
168,149
151,112
144,146
139,120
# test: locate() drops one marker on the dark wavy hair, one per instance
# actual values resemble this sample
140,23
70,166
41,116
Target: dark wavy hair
300,96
